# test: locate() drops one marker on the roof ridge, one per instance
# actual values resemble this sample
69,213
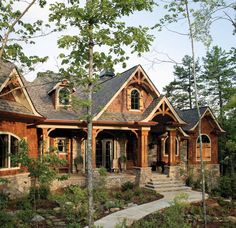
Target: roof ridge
119,75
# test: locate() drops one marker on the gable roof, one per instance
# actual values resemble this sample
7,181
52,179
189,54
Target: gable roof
191,117
5,70
110,88
157,104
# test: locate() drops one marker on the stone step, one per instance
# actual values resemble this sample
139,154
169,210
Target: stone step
164,186
169,189
165,182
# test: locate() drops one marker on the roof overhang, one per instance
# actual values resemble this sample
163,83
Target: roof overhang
139,68
208,110
164,99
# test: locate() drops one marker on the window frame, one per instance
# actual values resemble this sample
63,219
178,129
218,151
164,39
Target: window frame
204,159
65,144
131,99
58,97
9,135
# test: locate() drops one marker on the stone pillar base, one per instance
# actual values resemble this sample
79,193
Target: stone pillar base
173,171
142,175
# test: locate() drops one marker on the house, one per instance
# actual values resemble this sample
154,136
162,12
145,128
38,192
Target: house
130,118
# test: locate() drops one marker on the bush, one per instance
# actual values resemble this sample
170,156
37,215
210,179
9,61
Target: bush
127,186
4,199
227,186
6,220
41,192
23,204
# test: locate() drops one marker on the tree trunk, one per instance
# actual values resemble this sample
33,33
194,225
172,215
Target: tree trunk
198,111
89,137
189,89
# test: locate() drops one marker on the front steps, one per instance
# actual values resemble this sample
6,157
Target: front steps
163,183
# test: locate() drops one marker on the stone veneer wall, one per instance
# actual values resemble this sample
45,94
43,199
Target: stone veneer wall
18,185
212,172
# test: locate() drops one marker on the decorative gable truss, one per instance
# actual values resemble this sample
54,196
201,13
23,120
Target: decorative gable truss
14,89
164,108
138,82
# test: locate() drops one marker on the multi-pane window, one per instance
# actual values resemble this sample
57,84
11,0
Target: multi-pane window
61,145
64,96
8,146
135,96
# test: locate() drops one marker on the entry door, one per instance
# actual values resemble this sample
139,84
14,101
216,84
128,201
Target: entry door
104,153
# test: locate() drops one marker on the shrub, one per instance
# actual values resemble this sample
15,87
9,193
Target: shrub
23,204
6,220
4,199
127,186
227,186
41,192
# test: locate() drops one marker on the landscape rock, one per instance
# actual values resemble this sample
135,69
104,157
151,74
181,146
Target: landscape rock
37,218
132,204
231,219
57,209
114,209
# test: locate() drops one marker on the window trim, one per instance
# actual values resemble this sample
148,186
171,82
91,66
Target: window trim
177,141
9,160
64,139
58,97
203,143
139,97
164,147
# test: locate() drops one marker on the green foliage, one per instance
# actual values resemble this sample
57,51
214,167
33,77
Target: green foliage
180,90
15,32
4,199
41,192
127,186
170,217
227,186
7,220
24,204
79,160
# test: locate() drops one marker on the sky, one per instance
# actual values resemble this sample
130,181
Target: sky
167,45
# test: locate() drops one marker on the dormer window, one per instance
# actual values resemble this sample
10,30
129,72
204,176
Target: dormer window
135,98
64,96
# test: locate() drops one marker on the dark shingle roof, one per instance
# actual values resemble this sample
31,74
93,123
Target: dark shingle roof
150,108
190,116
5,70
14,107
108,88
39,88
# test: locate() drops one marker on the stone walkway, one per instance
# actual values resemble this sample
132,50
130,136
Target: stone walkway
137,212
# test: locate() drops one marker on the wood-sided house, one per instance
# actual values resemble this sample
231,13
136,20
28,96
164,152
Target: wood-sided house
130,118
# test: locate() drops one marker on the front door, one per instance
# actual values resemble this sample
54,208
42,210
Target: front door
104,153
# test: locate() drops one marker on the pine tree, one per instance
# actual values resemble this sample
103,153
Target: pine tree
219,78
180,91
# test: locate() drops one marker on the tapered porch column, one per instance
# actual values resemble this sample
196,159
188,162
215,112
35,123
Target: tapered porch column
172,135
94,135
45,143
143,147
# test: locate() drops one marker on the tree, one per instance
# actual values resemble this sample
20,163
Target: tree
180,90
97,24
14,31
219,78
198,16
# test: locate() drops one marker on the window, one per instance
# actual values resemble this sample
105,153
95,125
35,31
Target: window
167,146
64,96
176,147
8,146
61,145
135,96
206,148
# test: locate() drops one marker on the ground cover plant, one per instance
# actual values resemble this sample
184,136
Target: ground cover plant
68,206
220,213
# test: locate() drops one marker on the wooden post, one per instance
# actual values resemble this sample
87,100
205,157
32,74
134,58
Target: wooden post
142,148
172,135
94,135
45,141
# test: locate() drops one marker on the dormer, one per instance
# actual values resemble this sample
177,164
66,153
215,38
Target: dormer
61,94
